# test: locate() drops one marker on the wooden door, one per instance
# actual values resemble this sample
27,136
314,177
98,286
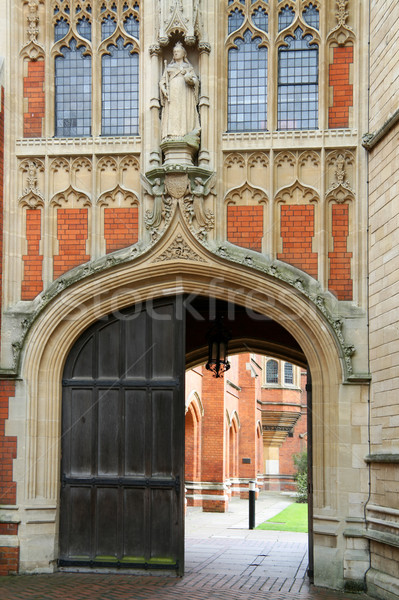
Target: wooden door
122,487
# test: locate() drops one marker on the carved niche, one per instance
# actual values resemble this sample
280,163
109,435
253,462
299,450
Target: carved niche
340,170
182,17
32,171
342,32
33,49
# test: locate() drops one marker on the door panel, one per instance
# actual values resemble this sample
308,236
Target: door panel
123,443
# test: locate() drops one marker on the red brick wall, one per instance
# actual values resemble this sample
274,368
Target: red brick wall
121,227
8,528
245,226
9,560
32,283
8,446
340,282
248,415
342,90
213,429
297,231
72,231
34,95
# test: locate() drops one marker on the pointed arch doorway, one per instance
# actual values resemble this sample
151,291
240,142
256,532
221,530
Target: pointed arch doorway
123,413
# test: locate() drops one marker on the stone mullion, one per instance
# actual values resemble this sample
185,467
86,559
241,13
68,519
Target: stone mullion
272,74
323,71
324,221
97,246
47,229
96,71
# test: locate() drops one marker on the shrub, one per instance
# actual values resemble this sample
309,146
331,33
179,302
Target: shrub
301,476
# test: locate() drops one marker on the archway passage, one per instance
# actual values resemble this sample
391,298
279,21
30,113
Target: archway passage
123,415
123,443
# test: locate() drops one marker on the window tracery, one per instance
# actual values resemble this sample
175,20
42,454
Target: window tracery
261,35
96,47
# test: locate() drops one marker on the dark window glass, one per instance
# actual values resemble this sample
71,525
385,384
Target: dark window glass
261,18
288,374
298,91
73,92
285,17
311,16
120,90
247,85
236,19
61,28
272,371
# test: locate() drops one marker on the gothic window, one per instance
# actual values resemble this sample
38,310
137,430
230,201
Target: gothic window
248,23
72,89
272,371
96,47
288,374
247,110
298,92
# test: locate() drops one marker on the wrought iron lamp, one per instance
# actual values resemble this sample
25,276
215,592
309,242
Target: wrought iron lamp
218,339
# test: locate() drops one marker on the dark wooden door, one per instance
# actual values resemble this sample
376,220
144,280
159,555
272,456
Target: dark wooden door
122,487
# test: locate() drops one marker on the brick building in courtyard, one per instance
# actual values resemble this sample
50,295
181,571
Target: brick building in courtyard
245,428
167,166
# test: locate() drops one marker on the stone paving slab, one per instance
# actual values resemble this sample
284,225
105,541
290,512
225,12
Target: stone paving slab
249,565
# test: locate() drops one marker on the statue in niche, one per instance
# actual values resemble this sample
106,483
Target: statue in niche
179,86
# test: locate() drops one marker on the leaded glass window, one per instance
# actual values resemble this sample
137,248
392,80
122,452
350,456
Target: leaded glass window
286,16
73,92
120,92
272,371
288,374
247,85
298,93
95,50
311,16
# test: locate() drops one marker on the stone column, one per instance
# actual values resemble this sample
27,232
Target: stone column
204,50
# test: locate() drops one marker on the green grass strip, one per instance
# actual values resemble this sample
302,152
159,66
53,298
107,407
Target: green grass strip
292,518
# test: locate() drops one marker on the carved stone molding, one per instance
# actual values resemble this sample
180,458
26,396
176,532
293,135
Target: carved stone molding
179,250
32,195
32,49
180,17
240,195
187,188
342,32
297,193
340,190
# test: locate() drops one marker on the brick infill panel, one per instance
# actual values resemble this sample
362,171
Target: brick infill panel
34,95
245,226
297,231
9,560
72,232
340,282
339,77
121,227
32,283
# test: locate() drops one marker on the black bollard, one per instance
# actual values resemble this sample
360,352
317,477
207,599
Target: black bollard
251,496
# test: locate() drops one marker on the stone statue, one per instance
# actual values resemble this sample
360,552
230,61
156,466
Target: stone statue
179,86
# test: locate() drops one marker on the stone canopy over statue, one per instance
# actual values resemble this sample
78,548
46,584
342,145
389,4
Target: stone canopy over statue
179,88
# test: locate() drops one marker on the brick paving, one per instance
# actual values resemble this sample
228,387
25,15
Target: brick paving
224,561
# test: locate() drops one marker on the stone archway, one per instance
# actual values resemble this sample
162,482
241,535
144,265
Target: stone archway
200,273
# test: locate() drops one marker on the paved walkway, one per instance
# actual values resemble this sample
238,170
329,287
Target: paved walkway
224,561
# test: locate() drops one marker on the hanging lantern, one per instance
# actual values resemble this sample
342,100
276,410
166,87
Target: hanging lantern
218,338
